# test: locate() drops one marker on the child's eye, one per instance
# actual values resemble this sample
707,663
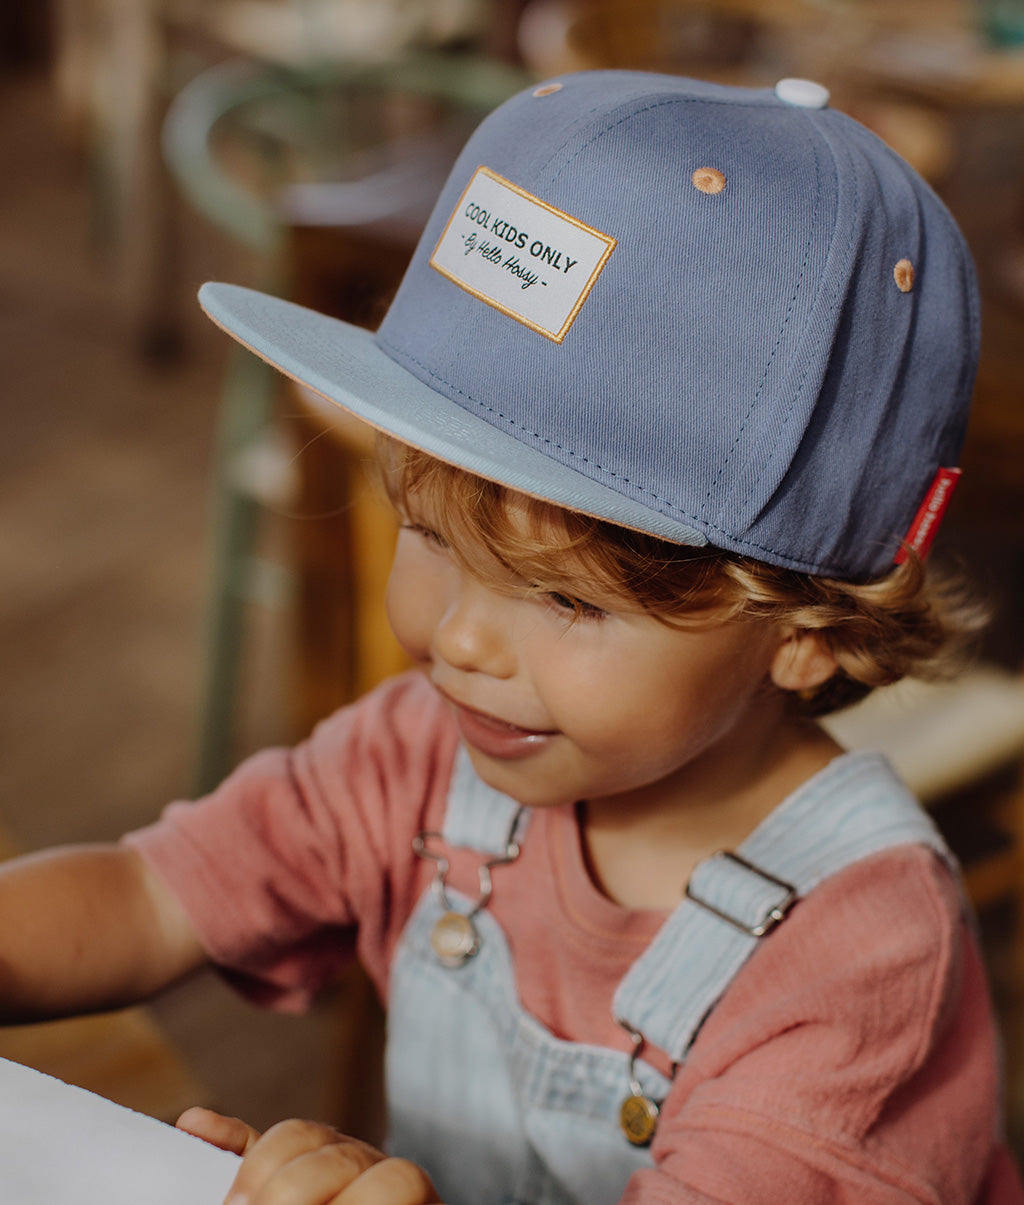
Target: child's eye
579,608
430,536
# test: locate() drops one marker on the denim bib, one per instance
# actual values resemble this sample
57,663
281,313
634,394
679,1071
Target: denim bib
501,1112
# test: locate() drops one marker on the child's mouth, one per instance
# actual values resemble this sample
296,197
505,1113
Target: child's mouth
495,737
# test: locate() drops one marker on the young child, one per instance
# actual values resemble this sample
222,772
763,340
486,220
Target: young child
673,394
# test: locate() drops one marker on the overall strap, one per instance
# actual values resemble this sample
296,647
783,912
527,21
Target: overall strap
477,816
855,807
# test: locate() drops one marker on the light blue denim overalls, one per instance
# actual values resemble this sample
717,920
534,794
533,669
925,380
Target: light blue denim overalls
498,1110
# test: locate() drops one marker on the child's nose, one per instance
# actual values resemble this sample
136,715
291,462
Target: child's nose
473,635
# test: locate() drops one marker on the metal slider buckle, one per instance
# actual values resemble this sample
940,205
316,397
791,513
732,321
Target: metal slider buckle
774,914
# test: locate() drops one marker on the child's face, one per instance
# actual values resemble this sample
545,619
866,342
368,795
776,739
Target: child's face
557,705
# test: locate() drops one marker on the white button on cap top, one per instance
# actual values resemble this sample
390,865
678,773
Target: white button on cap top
803,92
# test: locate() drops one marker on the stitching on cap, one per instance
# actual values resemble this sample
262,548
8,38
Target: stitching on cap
690,100
796,392
794,562
533,434
659,104
768,366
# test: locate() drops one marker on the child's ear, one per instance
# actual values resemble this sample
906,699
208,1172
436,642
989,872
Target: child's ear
802,662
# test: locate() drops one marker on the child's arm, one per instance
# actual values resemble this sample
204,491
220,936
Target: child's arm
87,928
306,1163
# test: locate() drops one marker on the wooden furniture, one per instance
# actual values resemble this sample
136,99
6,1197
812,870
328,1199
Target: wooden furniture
123,1056
343,535
342,559
730,41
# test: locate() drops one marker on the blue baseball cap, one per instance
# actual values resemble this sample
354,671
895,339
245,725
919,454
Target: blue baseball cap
720,315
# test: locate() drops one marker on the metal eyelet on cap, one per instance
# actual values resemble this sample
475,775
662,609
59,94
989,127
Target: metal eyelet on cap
804,93
708,180
903,274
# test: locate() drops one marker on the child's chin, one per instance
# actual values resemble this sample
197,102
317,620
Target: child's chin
521,782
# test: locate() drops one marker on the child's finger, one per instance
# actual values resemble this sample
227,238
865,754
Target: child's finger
396,1181
300,1161
228,1133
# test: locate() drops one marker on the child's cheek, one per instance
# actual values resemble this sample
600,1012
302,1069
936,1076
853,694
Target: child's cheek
407,622
413,599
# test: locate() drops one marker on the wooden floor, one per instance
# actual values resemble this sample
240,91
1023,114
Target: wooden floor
104,461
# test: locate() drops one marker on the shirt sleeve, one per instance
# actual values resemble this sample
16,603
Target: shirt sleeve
853,1060
302,856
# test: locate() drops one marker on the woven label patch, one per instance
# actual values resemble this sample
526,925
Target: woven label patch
925,526
521,255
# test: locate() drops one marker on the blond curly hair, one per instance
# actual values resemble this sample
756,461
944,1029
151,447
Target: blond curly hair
918,620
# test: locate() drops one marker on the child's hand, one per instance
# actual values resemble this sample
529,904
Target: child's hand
228,1133
304,1163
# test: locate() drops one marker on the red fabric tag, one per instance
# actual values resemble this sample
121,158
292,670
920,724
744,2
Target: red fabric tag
926,523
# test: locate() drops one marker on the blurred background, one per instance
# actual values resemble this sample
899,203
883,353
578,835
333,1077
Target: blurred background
189,553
